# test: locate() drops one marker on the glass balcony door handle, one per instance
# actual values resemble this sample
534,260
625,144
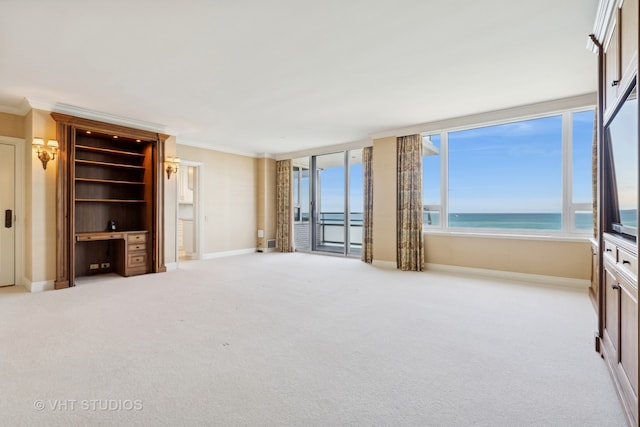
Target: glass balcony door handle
8,218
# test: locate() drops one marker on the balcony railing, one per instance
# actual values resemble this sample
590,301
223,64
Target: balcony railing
331,229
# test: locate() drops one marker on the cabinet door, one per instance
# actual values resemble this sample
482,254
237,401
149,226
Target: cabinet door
612,67
628,346
611,306
628,36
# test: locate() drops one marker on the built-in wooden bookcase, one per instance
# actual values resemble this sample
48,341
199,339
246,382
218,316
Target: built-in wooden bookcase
109,200
615,261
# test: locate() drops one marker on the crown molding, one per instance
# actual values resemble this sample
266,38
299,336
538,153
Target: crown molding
604,15
220,148
494,117
85,113
20,110
354,145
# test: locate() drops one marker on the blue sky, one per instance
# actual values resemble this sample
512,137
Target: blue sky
515,167
509,168
332,190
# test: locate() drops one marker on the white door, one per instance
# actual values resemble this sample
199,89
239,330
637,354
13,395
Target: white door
7,214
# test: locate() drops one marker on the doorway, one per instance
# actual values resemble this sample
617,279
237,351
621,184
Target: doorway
188,212
8,218
328,203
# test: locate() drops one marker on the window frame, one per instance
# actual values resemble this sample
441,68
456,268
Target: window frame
569,208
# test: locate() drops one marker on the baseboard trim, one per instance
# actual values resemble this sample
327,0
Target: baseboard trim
390,265
170,266
223,254
45,285
267,250
582,284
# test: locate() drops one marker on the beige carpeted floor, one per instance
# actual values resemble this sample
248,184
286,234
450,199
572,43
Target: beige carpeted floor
301,340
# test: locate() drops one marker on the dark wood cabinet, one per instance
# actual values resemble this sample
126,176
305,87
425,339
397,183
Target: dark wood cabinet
620,315
616,247
109,200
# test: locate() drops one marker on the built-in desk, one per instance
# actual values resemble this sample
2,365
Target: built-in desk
126,252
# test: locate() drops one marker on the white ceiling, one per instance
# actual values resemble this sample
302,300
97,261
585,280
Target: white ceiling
269,76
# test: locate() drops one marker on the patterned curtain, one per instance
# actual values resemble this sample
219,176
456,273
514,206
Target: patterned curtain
594,173
367,224
410,253
284,215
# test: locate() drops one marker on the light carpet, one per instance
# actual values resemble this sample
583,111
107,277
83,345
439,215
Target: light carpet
301,340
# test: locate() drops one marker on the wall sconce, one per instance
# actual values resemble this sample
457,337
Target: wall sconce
46,151
172,166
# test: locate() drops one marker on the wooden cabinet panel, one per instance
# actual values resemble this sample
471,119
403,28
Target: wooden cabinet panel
620,320
612,68
593,289
629,334
628,37
611,304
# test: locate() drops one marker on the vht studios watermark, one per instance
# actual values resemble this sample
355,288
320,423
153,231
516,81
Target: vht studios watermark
108,405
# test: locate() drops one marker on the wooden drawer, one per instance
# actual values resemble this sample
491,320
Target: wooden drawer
628,262
98,236
136,260
137,247
610,250
136,238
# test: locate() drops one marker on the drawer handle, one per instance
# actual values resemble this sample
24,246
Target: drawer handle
608,249
615,83
615,287
626,262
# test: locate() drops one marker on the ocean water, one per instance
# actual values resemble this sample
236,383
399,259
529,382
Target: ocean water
522,221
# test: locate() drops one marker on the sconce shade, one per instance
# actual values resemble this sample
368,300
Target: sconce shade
45,152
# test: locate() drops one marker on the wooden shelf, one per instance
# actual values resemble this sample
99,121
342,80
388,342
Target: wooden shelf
108,150
107,164
108,181
108,174
110,200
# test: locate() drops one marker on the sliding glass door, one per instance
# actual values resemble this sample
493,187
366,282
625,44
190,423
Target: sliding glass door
328,203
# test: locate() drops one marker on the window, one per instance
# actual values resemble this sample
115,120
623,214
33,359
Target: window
531,175
300,194
582,198
431,180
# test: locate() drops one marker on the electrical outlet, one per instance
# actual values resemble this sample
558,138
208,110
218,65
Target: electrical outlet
105,265
94,266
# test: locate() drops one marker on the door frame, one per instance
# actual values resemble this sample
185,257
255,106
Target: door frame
198,211
19,213
315,202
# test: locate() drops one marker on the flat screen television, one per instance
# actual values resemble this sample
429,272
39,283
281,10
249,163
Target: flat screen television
621,159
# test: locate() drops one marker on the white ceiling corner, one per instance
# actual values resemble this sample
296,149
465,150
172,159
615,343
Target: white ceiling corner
269,78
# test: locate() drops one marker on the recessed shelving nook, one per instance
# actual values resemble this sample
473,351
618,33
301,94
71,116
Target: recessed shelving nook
109,200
